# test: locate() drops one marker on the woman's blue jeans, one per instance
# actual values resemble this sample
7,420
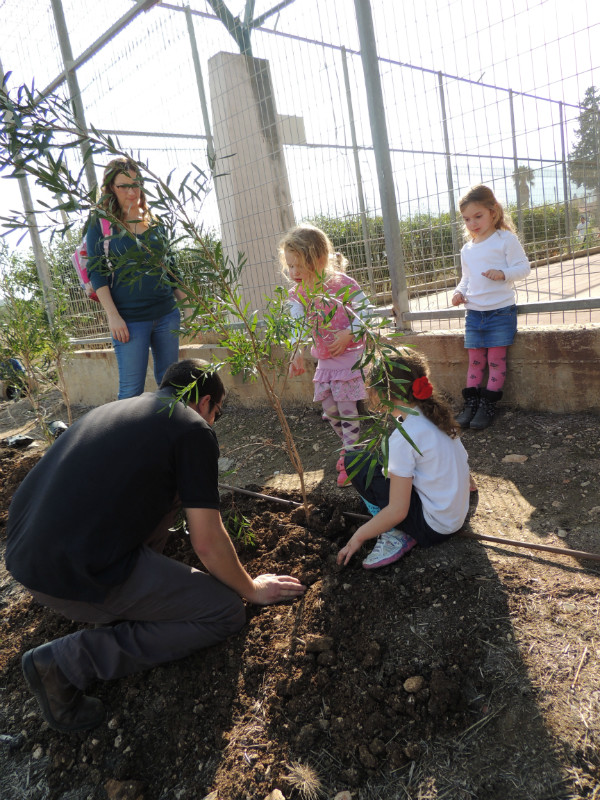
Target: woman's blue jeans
159,335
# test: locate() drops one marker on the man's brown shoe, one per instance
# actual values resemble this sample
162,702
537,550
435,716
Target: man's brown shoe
64,707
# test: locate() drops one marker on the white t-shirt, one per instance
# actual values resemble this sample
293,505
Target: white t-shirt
502,250
440,472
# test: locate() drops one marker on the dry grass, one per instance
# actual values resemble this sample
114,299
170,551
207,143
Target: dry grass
305,780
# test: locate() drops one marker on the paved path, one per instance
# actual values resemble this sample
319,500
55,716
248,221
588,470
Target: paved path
572,278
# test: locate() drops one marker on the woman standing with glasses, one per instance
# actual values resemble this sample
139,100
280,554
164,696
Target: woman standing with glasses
134,287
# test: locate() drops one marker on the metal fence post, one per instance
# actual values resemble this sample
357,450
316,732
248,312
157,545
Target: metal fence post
72,83
361,196
383,161
210,147
449,181
565,176
516,163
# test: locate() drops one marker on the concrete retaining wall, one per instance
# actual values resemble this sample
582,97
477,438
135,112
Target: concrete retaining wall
549,369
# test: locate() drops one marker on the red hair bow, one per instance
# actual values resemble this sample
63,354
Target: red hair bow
422,389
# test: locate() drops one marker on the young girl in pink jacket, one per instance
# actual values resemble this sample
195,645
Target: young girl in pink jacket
334,305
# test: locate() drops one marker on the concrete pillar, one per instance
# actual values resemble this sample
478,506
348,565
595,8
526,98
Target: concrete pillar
252,189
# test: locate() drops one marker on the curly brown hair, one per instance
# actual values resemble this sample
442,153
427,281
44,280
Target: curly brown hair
108,200
392,379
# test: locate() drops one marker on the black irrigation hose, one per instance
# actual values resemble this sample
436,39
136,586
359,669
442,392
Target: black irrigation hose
466,535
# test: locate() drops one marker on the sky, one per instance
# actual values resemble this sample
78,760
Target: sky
143,80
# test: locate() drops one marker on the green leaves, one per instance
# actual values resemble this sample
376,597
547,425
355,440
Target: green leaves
583,159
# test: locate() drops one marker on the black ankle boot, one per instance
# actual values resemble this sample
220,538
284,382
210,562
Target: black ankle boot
64,707
487,409
469,409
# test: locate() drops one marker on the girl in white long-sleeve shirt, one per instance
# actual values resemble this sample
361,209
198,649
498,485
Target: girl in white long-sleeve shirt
491,261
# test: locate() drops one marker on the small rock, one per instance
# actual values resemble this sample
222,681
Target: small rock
343,796
276,794
38,752
414,684
562,533
514,458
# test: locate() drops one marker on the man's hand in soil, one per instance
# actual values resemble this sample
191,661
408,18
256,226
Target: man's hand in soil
275,588
214,548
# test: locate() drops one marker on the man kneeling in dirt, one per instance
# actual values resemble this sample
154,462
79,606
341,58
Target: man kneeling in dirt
85,534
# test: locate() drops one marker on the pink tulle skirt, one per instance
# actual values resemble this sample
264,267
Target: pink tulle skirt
336,375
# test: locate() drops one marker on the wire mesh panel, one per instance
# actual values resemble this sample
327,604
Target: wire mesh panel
507,95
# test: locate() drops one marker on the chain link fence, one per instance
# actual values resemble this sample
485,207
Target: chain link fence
284,97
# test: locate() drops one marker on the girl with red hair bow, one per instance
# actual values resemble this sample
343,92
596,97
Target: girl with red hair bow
424,497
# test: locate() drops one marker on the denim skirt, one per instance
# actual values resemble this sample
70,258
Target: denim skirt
494,328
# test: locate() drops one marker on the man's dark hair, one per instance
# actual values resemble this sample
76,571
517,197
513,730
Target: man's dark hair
197,377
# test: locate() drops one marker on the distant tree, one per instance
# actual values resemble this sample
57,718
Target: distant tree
523,178
584,159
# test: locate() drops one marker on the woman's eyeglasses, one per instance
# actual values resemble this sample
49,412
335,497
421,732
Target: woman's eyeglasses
125,186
